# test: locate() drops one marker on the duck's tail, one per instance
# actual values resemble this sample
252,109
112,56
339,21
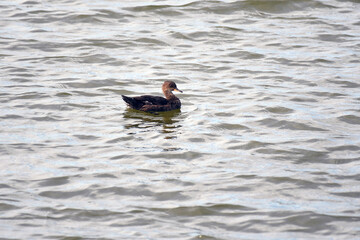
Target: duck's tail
131,102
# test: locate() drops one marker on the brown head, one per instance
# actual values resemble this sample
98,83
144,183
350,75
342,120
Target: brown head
170,86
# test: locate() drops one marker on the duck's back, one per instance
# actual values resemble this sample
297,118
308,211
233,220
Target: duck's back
152,100
138,102
171,104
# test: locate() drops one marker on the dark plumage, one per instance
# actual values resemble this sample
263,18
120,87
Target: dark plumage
149,103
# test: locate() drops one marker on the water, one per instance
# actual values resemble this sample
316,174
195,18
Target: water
266,145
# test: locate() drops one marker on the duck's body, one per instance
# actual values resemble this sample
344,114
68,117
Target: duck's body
149,103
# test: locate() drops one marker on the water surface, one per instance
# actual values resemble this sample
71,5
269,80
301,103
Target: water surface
266,145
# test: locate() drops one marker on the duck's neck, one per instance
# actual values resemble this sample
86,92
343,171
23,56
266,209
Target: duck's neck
169,95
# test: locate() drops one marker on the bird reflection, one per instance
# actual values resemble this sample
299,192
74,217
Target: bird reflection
147,121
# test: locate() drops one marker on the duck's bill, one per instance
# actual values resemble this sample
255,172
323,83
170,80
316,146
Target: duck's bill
178,90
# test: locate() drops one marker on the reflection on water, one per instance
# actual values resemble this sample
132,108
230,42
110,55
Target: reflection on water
169,121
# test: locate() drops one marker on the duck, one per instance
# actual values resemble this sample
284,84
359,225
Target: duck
148,103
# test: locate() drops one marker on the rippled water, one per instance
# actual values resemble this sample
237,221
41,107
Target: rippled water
266,145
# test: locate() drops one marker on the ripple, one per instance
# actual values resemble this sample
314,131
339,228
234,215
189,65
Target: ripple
283,124
279,110
53,181
266,6
230,126
348,194
351,119
7,207
184,155
218,209
246,55
345,84
174,195
151,41
64,194
124,191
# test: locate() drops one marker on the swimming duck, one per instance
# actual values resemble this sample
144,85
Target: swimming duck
149,103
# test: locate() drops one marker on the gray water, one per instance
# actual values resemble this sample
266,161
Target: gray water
266,145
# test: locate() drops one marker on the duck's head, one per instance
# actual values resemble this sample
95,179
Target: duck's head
170,86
